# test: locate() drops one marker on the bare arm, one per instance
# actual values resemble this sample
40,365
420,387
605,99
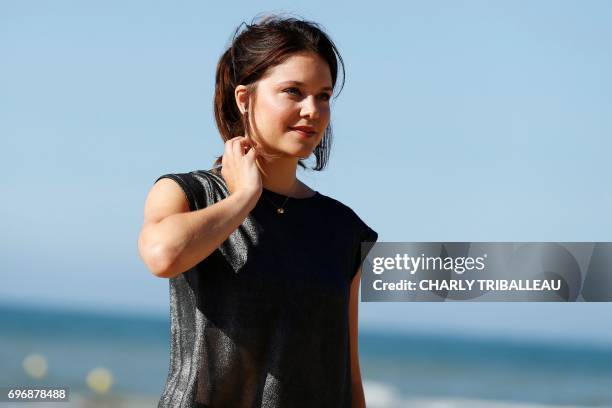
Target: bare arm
358,397
174,239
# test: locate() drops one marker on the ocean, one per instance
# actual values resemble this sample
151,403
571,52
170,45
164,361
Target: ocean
129,356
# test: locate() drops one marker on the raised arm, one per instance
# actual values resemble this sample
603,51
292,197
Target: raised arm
174,239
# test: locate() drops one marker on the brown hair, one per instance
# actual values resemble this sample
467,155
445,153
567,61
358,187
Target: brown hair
263,45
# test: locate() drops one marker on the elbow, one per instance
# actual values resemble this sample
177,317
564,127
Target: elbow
157,257
159,263
162,268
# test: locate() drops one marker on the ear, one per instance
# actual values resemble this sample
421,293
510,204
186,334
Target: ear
242,95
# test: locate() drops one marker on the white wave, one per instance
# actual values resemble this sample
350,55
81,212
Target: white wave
381,395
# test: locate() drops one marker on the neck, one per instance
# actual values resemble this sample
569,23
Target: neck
280,175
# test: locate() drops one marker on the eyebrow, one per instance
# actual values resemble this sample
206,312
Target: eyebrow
325,88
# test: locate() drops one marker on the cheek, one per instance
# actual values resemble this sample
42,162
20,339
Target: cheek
325,115
326,112
275,112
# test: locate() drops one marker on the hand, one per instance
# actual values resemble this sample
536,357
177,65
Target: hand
239,167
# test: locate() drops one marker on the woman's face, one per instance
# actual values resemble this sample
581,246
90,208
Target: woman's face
293,94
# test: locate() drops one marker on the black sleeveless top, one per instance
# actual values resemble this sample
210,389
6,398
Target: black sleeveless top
263,320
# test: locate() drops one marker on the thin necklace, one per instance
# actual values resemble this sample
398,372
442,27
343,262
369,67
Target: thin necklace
281,210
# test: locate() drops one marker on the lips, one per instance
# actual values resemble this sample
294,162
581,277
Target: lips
304,130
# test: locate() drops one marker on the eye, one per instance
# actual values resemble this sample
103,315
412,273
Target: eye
292,89
325,96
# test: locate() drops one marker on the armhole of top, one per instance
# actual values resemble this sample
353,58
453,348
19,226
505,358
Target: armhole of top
196,197
365,242
182,180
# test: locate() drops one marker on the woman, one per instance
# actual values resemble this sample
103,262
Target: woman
264,271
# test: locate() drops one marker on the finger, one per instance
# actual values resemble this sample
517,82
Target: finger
237,147
251,154
228,147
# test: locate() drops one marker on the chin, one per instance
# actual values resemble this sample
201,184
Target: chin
297,151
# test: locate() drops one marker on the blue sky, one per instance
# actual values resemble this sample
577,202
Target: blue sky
459,121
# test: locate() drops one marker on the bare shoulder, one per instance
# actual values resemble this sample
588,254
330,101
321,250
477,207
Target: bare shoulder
165,198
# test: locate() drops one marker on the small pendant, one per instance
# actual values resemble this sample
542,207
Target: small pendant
280,211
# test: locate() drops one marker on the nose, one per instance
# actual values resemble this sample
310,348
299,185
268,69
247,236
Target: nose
310,108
